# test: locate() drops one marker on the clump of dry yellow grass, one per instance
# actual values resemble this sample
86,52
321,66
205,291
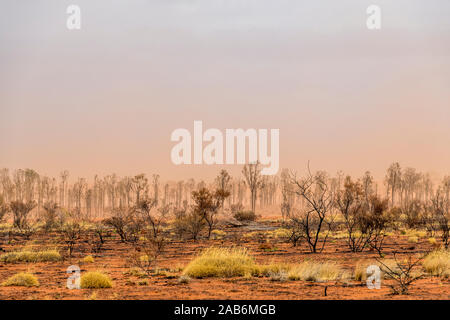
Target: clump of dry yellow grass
237,262
413,239
30,256
360,272
315,271
88,259
22,279
218,234
222,262
95,280
273,268
437,263
136,272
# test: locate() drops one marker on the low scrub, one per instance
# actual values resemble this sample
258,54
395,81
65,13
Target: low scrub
278,276
30,256
413,239
360,272
403,272
237,262
218,234
245,216
88,259
22,279
274,268
315,271
437,263
95,280
222,262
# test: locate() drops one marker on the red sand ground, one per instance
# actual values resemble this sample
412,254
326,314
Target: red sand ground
113,260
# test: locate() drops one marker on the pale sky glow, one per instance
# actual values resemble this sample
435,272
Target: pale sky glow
106,98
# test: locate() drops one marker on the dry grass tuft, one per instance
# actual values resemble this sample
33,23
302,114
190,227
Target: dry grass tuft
437,263
22,279
30,256
222,262
88,259
413,239
360,272
95,280
316,271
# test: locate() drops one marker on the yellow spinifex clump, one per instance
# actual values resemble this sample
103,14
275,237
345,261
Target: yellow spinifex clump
88,259
95,280
30,256
222,262
22,279
437,263
315,271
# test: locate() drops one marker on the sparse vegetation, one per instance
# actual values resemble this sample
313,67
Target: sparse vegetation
21,211
148,230
437,263
184,279
222,262
315,271
95,280
4,208
245,216
72,232
30,256
125,223
401,272
315,217
88,259
21,280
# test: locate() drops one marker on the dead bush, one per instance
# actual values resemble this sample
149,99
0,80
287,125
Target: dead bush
152,217
125,223
21,211
245,216
413,211
315,217
401,272
4,209
147,252
72,232
50,215
190,223
439,218
374,222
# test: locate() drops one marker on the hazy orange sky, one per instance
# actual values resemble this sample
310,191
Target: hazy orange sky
106,98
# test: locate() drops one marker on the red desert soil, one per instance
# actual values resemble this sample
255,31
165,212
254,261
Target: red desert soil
113,260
